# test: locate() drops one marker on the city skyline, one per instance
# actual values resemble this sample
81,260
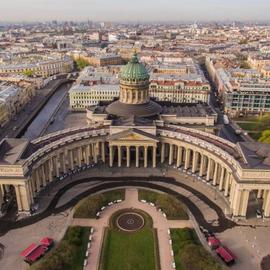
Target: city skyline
120,10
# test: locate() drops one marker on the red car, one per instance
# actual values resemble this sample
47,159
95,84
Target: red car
35,251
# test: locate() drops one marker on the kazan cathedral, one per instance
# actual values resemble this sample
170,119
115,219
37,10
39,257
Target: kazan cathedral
131,132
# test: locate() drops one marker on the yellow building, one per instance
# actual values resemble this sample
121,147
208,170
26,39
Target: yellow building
261,63
44,68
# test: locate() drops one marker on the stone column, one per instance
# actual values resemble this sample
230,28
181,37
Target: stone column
32,188
57,165
187,159
103,152
87,150
154,156
221,176
232,191
137,156
171,155
179,156
50,170
244,203
71,159
145,156
97,147
25,197
266,204
162,152
29,191
128,156
202,165
237,201
43,175
227,184
2,190
37,178
111,155
195,161
119,156
209,169
90,152
260,193
79,156
1,195
18,198
95,154
64,161
215,174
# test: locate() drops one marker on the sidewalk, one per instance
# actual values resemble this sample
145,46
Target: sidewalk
159,222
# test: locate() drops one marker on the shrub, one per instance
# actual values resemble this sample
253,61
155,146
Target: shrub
89,206
196,257
66,253
173,208
265,263
188,252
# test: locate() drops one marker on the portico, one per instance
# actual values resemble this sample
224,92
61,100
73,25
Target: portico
133,143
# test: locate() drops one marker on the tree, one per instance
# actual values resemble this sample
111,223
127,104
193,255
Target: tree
243,42
28,73
81,63
265,138
245,65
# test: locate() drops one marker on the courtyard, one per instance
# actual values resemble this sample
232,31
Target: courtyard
248,248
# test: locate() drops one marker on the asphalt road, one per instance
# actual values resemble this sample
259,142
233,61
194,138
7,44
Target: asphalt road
226,131
111,182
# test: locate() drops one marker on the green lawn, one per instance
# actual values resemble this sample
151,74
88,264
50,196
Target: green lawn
172,207
134,251
130,251
69,254
189,254
251,126
89,206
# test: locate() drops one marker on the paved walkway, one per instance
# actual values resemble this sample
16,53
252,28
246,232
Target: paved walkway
159,222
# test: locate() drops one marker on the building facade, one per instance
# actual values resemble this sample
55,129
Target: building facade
43,68
180,91
81,97
241,91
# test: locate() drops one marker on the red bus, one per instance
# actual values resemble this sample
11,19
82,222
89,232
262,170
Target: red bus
226,255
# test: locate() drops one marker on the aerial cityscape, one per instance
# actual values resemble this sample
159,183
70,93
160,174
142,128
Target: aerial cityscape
134,136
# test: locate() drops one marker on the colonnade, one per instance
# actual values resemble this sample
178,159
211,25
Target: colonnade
214,171
141,152
62,161
192,159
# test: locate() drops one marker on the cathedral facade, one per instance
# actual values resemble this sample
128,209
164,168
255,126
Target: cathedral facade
132,133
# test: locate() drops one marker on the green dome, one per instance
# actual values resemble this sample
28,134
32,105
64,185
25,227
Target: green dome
134,70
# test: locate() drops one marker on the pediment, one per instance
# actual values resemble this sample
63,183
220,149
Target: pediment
133,135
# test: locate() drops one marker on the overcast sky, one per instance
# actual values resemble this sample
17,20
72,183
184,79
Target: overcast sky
135,10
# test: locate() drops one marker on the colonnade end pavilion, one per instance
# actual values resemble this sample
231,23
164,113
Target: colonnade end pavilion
132,134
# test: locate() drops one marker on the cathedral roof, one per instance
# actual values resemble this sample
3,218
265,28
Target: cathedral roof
134,70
